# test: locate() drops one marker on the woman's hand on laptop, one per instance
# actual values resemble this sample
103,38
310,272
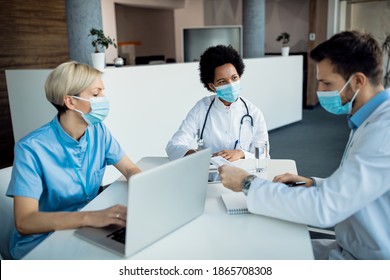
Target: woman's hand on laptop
115,215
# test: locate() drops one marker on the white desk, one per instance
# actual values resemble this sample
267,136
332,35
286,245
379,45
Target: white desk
213,235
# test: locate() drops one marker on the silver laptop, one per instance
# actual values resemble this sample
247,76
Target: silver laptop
160,200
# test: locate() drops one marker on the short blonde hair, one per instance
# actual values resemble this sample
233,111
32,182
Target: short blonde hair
69,78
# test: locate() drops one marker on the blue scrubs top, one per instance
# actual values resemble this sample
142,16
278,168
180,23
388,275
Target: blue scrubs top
63,174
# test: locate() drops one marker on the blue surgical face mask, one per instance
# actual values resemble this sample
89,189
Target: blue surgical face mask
99,109
331,101
229,92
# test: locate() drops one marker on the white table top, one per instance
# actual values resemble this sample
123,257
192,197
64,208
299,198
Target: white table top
213,235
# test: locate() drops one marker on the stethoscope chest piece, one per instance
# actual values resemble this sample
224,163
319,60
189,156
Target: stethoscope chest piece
200,144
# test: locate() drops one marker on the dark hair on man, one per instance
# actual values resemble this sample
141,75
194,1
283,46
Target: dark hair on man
217,56
350,52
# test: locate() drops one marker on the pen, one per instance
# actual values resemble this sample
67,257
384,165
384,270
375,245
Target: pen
295,184
235,144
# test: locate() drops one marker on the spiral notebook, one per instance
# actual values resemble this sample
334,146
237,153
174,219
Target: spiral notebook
235,203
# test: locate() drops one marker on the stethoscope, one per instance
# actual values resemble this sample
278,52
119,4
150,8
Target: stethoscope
247,115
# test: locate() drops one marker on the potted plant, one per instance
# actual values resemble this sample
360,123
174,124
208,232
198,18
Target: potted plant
386,50
284,37
100,42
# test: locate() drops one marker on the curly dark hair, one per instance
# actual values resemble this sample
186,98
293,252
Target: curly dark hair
217,56
350,52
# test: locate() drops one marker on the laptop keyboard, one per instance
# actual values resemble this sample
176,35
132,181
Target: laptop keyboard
118,235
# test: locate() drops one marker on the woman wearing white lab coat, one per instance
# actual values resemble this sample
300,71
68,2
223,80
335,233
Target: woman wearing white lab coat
225,122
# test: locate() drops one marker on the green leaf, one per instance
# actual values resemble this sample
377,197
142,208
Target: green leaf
100,40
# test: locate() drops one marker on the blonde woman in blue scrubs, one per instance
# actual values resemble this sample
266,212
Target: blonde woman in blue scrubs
59,167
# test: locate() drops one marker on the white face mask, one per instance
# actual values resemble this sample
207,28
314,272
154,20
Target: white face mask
331,100
99,109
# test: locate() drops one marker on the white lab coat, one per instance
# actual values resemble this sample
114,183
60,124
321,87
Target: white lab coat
355,198
221,130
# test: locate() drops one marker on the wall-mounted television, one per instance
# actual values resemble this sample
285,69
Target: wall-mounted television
197,39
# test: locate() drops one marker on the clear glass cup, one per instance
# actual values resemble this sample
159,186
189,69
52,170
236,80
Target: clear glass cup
261,156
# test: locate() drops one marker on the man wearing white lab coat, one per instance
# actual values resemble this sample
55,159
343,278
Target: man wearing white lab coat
355,199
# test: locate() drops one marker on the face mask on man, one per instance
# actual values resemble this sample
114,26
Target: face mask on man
229,92
99,109
331,101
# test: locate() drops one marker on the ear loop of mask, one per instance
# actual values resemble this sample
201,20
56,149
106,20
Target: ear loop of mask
342,89
80,98
356,93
